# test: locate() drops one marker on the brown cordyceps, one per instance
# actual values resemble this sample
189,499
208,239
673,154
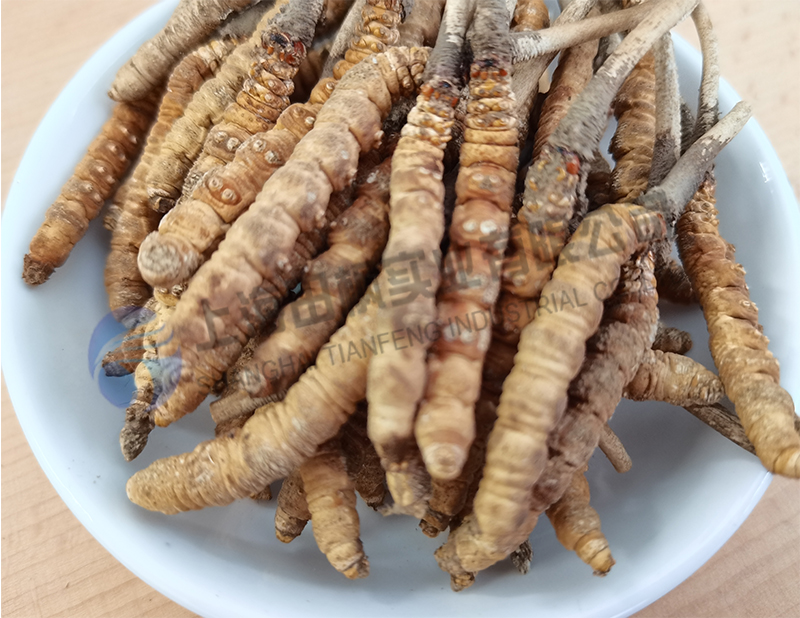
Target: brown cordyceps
669,339
94,180
573,72
675,379
633,141
613,354
411,261
331,499
748,370
150,377
332,284
674,284
265,93
614,450
255,256
194,228
376,33
445,425
577,525
134,218
449,498
192,21
196,225
292,514
184,142
363,463
421,26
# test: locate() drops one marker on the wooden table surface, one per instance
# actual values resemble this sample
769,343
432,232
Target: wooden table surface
51,566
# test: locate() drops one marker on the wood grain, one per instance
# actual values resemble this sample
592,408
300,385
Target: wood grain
52,567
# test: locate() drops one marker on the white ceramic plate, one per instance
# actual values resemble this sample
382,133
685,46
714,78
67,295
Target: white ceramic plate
689,489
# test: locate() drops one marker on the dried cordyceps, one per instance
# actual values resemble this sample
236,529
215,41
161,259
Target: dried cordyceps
196,225
669,339
134,218
376,33
612,355
192,21
749,372
577,525
332,284
673,378
92,182
151,377
634,139
449,498
565,35
614,450
422,25
478,234
183,143
673,283
573,72
396,378
291,514
363,462
331,499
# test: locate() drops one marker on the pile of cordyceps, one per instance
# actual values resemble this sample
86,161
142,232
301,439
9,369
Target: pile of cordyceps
407,273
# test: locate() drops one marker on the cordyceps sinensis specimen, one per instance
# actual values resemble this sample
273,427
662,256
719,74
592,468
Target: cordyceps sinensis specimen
489,156
673,378
222,309
421,25
189,25
612,356
411,260
449,498
332,284
376,32
748,370
551,352
633,141
670,339
577,525
151,376
133,219
331,499
265,93
614,450
195,226
363,462
291,515
93,181
184,142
